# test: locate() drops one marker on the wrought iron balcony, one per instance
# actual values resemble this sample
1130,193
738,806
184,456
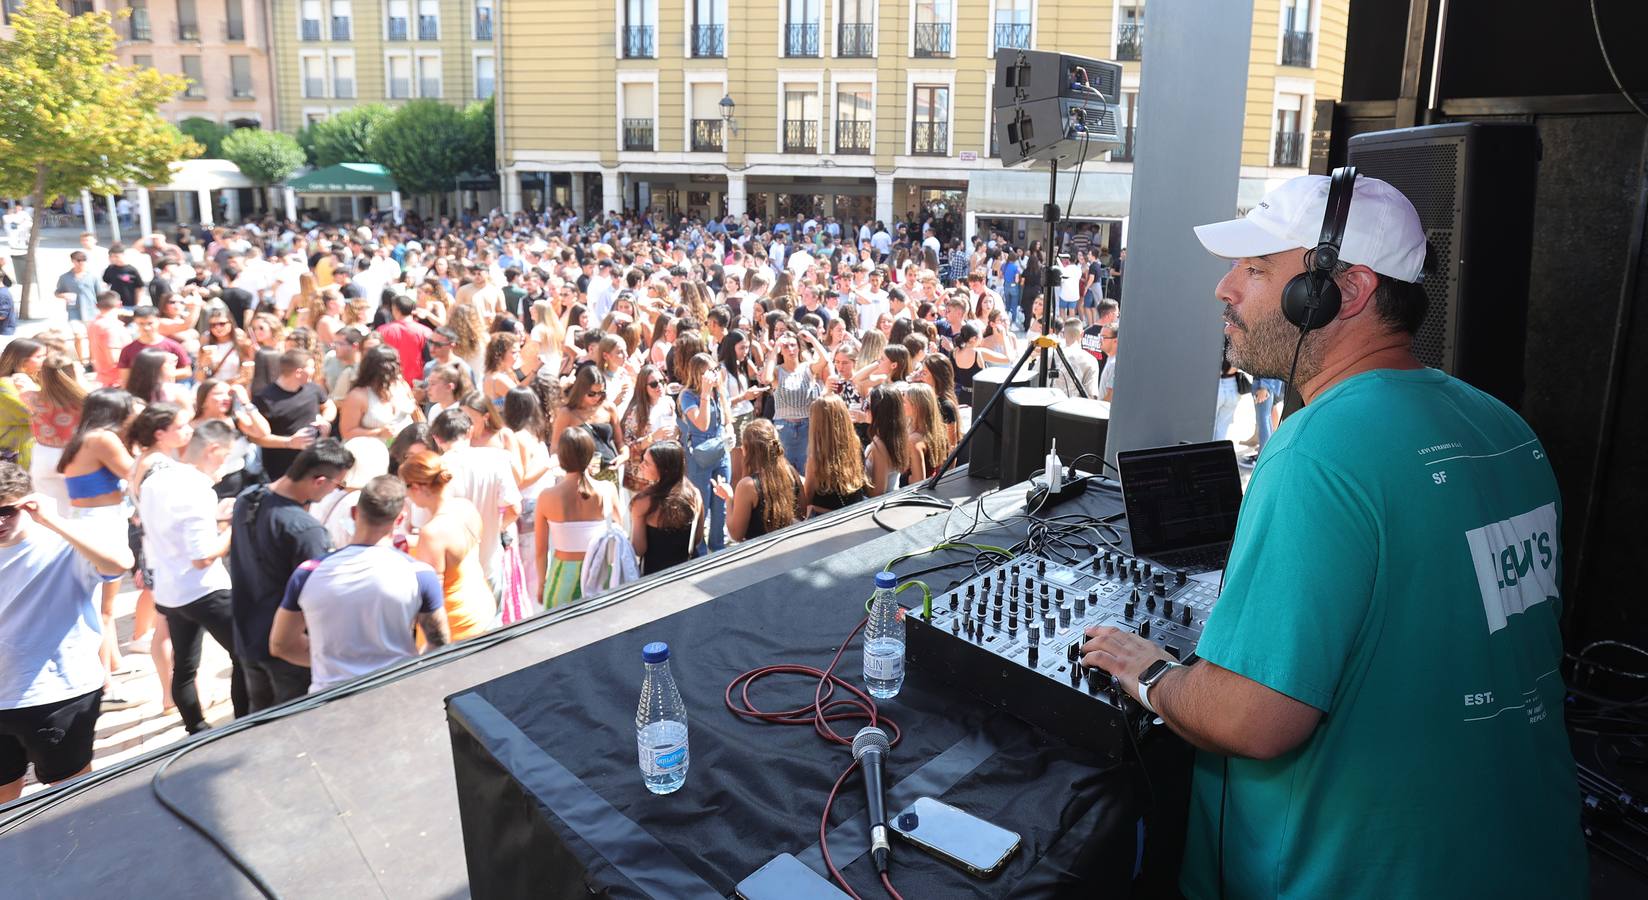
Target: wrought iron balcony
857,39
1125,152
1296,48
138,28
932,39
188,31
638,134
931,139
801,40
429,28
1290,148
340,28
1129,41
801,136
1012,36
397,29
483,26
638,42
707,135
709,41
852,136
310,31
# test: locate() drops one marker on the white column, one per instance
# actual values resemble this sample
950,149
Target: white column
204,198
291,199
510,181
114,216
395,206
884,199
232,206
971,220
145,211
612,192
579,188
738,195
88,211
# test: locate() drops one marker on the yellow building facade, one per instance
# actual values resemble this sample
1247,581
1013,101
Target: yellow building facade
853,108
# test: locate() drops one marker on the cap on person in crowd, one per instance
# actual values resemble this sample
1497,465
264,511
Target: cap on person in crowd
1382,231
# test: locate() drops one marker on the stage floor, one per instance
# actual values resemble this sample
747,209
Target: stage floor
355,798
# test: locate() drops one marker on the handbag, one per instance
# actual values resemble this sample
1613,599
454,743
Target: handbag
706,447
516,596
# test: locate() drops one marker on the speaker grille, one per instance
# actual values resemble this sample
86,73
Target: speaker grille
1429,176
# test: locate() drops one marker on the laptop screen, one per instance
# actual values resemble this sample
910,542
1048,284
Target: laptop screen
1180,497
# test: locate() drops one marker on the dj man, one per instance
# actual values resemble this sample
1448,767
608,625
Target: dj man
1378,701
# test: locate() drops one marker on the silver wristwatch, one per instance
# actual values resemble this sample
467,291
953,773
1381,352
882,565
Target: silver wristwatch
1152,674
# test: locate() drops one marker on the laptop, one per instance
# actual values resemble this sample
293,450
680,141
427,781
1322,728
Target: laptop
1181,503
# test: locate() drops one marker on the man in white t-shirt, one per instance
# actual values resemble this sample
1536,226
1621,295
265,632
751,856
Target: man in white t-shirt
1069,285
485,476
351,613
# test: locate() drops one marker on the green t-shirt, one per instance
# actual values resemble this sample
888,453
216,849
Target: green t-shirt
1396,565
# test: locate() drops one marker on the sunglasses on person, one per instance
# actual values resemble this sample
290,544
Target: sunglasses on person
9,510
655,383
597,394
218,322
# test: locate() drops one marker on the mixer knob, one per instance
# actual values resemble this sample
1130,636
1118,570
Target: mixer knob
1041,567
1052,621
1185,614
955,601
1035,653
1073,652
1059,595
1032,633
1181,576
1167,607
1095,680
955,626
1127,611
995,615
1064,617
1144,628
1088,602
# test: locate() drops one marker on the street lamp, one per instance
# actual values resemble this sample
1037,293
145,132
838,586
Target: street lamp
727,109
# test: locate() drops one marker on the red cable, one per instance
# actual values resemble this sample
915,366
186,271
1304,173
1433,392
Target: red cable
819,715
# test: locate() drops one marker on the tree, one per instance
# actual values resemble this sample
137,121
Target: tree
483,134
207,134
425,145
263,156
71,119
347,136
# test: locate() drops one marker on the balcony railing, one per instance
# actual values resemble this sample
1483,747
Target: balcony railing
400,88
706,135
314,87
709,41
240,90
1012,36
188,31
638,134
931,139
429,28
857,39
483,27
1296,48
429,87
1129,41
340,28
932,39
852,136
800,135
311,30
343,88
234,31
1290,148
1125,152
398,29
195,90
138,27
801,40
638,42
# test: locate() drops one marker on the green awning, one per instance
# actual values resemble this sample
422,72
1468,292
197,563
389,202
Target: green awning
345,178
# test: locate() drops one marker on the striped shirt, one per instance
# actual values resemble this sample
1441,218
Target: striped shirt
794,392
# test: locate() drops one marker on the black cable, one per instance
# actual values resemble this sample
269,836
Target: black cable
245,867
1596,23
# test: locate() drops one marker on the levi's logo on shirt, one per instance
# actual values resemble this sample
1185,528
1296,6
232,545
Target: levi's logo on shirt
1515,561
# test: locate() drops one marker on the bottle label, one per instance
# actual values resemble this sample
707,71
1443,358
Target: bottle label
888,667
662,760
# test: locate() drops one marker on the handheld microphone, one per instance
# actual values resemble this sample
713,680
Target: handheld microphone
870,749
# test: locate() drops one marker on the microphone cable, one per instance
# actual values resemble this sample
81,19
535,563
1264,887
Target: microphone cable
824,709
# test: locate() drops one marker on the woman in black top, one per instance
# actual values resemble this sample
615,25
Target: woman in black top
835,458
1031,277
940,372
766,498
667,516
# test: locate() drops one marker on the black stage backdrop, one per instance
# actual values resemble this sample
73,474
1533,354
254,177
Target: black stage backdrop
552,801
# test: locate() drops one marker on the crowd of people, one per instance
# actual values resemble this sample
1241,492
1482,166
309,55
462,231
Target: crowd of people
330,447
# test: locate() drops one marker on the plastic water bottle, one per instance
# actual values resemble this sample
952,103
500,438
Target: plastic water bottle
661,724
884,641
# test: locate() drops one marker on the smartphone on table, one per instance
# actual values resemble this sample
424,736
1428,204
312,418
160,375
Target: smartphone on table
960,838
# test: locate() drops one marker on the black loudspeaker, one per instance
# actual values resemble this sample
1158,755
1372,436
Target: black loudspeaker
1024,431
984,450
1054,106
1473,186
1027,75
1078,426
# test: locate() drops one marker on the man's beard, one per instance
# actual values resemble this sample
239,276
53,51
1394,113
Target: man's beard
1267,348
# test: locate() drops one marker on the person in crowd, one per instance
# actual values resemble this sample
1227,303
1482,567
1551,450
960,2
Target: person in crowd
449,542
78,288
147,336
379,404
122,277
483,476
228,403
587,406
341,363
353,612
184,545
54,414
1082,363
335,510
798,371
570,516
835,459
938,371
107,336
667,515
970,358
296,409
928,437
768,497
152,378
651,418
887,457
20,364
52,685
705,412
1107,378
272,534
268,343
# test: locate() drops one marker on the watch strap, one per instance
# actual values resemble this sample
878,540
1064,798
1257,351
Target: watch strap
1144,686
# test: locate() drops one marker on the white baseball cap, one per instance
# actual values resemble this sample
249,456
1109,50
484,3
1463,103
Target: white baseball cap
1382,232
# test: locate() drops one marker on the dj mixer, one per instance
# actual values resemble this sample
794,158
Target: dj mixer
1011,637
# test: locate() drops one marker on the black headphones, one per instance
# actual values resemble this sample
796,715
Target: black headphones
1311,299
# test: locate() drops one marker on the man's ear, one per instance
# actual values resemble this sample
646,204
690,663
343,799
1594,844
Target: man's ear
1356,288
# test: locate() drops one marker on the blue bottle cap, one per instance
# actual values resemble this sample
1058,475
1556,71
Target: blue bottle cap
655,652
886,581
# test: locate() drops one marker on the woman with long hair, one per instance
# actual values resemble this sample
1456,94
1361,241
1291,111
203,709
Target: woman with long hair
888,455
503,358
835,459
220,348
325,314
224,402
379,404
54,415
687,345
413,439
970,359
938,371
704,422
929,438
152,379
432,303
611,355
649,419
797,371
766,499
569,517
447,385
587,406
20,365
1030,279
663,336
869,349
470,344
449,542
666,516
269,341
547,340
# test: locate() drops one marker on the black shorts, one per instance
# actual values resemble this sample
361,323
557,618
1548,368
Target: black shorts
56,737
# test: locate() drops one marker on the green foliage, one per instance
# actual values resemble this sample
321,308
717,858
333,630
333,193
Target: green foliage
478,121
425,145
306,140
347,136
263,156
207,134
